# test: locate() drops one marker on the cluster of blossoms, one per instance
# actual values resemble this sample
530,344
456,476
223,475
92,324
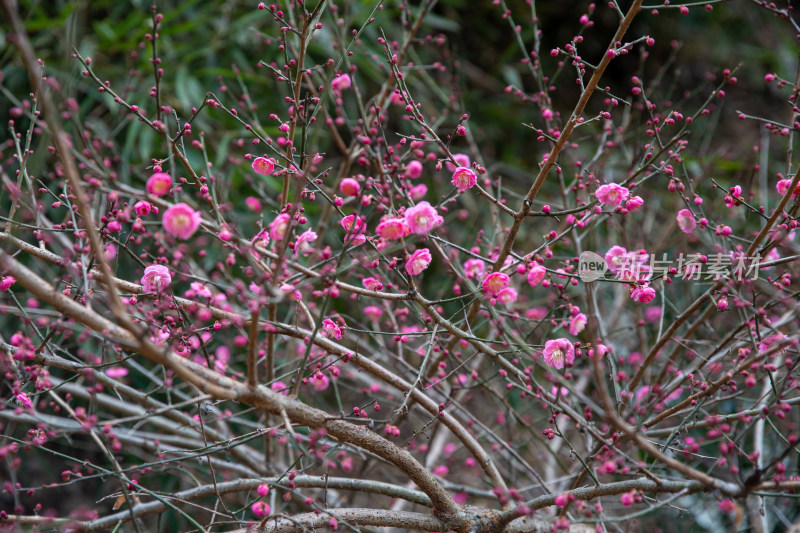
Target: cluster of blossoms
634,268
614,195
495,285
628,266
261,508
179,220
355,226
783,187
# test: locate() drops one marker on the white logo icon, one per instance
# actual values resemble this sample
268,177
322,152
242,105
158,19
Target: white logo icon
591,266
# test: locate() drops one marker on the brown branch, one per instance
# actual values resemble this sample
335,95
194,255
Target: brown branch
252,351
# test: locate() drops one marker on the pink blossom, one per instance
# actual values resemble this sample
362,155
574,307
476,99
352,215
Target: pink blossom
464,178
353,224
612,194
422,218
474,268
686,221
495,282
280,387
627,499
349,187
201,290
441,470
116,372
727,506
372,284
263,489
373,313
331,330
356,239
392,229
418,261
536,274
609,467
652,314
628,266
156,278
320,382
507,295
766,343
561,500
261,239
642,393
536,313
159,183
783,187
634,203
253,203
559,352
418,192
414,169
303,243
643,293
341,83
772,255
181,220
577,324
732,198
634,268
263,165
461,159
278,227
598,351
615,258
692,270
24,400
6,283
142,208
260,509
289,290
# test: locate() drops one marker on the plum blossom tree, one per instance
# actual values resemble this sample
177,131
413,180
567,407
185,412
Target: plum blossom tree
337,293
